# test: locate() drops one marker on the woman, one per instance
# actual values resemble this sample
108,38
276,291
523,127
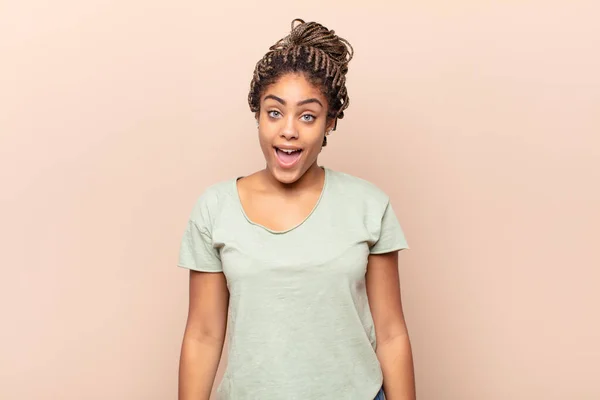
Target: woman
298,261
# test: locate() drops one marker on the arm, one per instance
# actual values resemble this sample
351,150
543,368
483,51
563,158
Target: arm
204,335
393,343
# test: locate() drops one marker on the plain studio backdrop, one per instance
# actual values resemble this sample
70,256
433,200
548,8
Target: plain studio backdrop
480,119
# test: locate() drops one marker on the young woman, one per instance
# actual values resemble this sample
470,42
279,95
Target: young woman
298,261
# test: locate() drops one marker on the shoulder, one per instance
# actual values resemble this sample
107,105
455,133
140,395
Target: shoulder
353,187
212,199
249,183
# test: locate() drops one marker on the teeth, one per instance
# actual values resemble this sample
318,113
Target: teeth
288,151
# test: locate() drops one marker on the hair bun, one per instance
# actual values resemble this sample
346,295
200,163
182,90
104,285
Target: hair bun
313,34
314,50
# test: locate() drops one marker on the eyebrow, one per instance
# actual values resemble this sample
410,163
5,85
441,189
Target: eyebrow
300,103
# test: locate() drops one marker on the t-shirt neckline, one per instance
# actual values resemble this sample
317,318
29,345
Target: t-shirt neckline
298,225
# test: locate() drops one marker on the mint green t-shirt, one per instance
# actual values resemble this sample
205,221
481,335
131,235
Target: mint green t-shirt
299,321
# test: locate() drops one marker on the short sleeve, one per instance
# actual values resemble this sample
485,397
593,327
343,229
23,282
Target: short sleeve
196,250
391,236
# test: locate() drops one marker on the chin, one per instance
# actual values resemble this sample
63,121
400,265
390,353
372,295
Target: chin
287,176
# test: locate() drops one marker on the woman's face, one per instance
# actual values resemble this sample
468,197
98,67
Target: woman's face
292,124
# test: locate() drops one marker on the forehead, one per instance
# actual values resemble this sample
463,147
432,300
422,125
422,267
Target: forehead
294,87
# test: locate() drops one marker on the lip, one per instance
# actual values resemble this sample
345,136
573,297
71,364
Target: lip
287,147
281,163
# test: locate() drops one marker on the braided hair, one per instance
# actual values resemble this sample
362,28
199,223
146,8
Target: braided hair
318,53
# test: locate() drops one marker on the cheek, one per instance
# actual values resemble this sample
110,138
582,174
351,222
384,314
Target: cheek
265,141
316,138
316,143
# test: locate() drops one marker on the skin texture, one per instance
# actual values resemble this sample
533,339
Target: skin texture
280,198
293,112
393,342
204,335
282,121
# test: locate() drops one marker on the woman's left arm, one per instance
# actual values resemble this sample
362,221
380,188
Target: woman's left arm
393,343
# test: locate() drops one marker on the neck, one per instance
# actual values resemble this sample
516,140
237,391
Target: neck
313,177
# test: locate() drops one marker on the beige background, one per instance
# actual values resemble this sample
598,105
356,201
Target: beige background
480,119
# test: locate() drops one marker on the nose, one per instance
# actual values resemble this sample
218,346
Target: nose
289,131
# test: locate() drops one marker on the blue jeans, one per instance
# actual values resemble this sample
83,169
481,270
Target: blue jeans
380,395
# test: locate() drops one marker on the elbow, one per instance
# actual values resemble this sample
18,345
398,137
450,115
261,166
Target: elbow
391,333
205,333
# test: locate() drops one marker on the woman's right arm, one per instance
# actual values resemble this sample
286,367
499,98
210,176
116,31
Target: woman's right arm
204,334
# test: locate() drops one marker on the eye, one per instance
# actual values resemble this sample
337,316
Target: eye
308,118
274,114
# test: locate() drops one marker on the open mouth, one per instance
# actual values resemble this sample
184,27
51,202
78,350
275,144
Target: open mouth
287,157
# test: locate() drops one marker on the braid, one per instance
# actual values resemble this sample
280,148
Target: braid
317,52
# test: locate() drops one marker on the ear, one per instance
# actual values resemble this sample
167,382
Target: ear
331,124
